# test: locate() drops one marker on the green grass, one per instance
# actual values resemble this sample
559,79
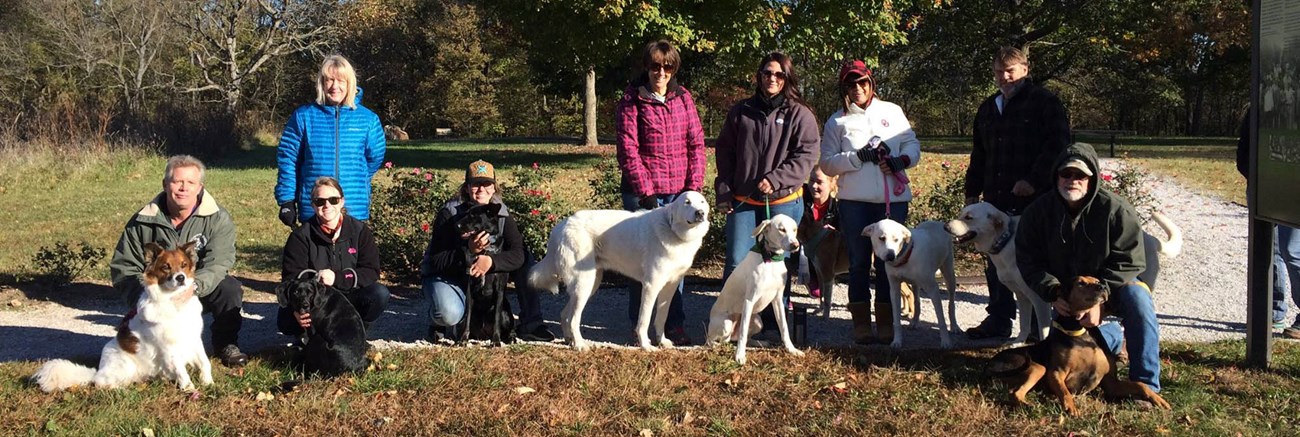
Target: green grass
463,391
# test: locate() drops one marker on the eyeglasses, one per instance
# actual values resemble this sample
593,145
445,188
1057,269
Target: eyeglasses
1072,175
669,68
320,201
863,82
770,73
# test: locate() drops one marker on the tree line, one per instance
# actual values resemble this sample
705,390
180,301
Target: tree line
204,76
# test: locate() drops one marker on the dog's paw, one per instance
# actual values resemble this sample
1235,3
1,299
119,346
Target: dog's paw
740,357
581,345
646,346
796,352
896,345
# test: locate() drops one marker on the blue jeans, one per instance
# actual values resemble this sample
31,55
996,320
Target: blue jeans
446,300
1286,258
1136,310
854,216
740,238
676,315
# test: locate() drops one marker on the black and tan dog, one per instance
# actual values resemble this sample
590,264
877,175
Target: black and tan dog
335,343
1069,362
487,313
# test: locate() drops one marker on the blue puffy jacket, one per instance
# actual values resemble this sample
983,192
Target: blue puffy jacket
320,140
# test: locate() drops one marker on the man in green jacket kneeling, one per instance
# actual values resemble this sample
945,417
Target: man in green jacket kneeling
186,212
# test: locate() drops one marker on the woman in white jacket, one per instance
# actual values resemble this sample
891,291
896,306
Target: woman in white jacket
869,144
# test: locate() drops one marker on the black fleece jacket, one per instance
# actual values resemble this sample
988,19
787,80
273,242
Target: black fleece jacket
445,257
354,258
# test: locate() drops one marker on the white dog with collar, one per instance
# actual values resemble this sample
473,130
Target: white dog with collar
913,256
756,283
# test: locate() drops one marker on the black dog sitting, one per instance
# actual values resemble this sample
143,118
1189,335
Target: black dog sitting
336,341
487,312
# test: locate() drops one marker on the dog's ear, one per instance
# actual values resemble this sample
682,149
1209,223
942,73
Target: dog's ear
282,292
999,221
870,229
190,249
320,293
492,209
151,251
758,230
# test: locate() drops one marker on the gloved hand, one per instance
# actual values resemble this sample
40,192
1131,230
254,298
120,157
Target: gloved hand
289,213
873,151
804,277
896,164
649,202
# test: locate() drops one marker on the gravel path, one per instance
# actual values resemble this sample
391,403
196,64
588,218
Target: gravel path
1201,297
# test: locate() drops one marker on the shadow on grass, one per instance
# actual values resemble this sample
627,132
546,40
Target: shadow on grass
260,257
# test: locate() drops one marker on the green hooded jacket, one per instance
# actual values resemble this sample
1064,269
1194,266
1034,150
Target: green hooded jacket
1103,240
210,225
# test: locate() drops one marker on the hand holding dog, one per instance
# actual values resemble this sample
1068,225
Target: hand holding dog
765,187
185,295
1022,188
479,243
1089,318
481,266
326,276
304,319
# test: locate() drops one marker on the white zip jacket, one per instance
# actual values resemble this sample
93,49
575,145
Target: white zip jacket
845,133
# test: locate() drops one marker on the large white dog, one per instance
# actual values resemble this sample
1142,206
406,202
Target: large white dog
913,256
756,283
993,233
654,247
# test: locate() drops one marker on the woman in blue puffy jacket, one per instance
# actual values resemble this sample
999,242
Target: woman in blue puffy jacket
334,136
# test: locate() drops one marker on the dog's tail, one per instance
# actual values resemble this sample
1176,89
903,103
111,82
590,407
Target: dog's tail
1009,362
61,375
1174,245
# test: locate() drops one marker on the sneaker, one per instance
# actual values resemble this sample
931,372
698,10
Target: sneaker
1292,332
768,338
541,333
991,327
678,336
231,356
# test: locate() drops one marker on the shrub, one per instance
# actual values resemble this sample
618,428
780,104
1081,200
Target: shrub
403,206
606,189
1129,181
62,263
534,210
939,200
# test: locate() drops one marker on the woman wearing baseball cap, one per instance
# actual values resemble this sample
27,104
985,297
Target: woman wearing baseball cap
445,270
869,144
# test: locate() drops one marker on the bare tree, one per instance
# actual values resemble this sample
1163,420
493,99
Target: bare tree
138,31
232,40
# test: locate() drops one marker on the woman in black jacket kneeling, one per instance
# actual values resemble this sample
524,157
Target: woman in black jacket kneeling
342,250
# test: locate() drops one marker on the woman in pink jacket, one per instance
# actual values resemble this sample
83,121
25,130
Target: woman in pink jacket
660,151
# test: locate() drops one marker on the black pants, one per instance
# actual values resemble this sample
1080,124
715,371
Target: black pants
370,302
1002,301
530,304
225,303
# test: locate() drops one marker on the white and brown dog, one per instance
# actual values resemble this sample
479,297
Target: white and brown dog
757,282
161,338
913,256
993,232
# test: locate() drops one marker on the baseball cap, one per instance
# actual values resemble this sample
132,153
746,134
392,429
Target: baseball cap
480,171
1078,164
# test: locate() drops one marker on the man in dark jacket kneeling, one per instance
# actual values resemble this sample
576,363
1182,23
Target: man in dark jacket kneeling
1084,229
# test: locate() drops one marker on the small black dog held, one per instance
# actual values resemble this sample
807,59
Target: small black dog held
336,341
487,312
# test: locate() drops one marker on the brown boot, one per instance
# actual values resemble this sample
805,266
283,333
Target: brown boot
861,312
885,322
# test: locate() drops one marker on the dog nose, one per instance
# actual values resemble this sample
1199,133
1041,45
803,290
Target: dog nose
794,245
180,277
889,256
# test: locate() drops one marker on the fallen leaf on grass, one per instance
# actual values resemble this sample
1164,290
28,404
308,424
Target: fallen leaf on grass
195,395
687,418
265,396
15,303
146,432
391,367
840,387
646,432
523,390
1162,430
379,356
817,405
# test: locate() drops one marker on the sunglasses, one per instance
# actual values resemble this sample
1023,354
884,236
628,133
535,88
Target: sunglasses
320,201
665,67
863,82
1072,175
770,73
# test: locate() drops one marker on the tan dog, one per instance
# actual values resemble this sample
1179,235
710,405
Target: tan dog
1069,362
